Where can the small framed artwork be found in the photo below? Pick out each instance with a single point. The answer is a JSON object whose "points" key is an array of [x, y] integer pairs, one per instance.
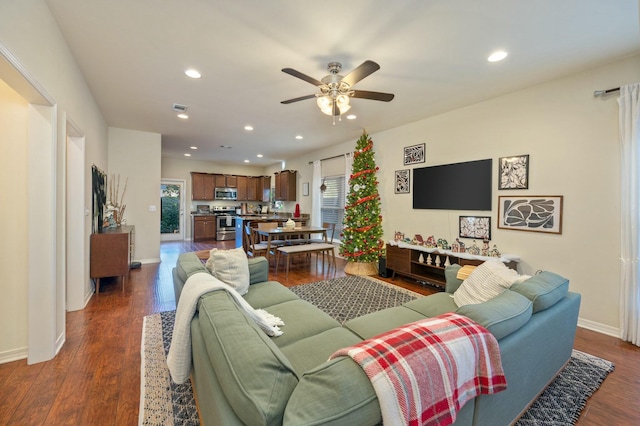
{"points": [[478, 227], [305, 189], [537, 213], [402, 181], [414, 154], [514, 172]]}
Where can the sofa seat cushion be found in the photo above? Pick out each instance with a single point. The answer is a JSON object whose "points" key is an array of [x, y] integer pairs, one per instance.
{"points": [[501, 315], [301, 320], [544, 289], [268, 293], [310, 352], [433, 305], [378, 322], [347, 397], [258, 379]]}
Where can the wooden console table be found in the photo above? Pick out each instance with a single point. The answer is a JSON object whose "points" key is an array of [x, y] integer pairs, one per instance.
{"points": [[404, 260], [112, 253]]}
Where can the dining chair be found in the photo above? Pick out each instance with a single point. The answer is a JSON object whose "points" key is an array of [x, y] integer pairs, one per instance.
{"points": [[254, 250]]}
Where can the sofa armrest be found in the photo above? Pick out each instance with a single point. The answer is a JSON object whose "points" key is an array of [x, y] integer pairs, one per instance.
{"points": [[258, 270]]}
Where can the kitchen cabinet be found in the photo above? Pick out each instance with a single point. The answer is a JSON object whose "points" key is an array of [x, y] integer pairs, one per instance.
{"points": [[204, 228], [242, 182], [226, 181], [264, 188], [202, 185], [286, 185], [111, 254], [252, 189]]}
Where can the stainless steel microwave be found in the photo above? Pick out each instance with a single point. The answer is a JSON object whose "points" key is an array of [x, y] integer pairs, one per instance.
{"points": [[226, 194]]}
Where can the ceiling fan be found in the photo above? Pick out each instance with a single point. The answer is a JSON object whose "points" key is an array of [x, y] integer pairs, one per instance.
{"points": [[336, 90]]}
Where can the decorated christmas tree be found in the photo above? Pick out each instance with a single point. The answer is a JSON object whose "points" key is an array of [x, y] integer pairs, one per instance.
{"points": [[361, 236]]}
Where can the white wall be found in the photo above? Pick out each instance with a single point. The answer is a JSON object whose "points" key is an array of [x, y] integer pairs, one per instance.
{"points": [[31, 36], [14, 249], [135, 156], [572, 140]]}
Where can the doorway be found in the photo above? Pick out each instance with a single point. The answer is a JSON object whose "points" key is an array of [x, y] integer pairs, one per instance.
{"points": [[171, 210]]}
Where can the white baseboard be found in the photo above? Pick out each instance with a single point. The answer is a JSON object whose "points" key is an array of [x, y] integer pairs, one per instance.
{"points": [[600, 328], [146, 261], [13, 355]]}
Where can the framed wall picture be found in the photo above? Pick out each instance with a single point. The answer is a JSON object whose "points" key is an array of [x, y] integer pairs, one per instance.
{"points": [[534, 213], [478, 227], [403, 181], [414, 154], [514, 172], [305, 189]]}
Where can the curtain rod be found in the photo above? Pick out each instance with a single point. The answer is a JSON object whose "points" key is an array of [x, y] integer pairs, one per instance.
{"points": [[605, 92], [329, 158]]}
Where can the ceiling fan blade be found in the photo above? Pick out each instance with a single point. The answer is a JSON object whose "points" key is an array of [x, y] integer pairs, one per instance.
{"points": [[365, 69], [301, 76], [301, 98], [376, 96]]}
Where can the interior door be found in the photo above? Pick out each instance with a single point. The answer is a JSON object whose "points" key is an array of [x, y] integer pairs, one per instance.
{"points": [[171, 210]]}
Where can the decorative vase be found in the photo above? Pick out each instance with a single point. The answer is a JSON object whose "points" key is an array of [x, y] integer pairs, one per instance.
{"points": [[361, 268]]}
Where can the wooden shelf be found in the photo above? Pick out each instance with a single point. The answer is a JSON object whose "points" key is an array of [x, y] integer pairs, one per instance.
{"points": [[404, 261]]}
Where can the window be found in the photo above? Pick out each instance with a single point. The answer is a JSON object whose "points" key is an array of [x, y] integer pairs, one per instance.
{"points": [[333, 202]]}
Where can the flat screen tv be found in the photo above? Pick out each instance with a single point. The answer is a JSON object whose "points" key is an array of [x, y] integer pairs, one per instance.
{"points": [[459, 186]]}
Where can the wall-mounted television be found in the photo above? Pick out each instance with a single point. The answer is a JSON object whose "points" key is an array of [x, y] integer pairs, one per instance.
{"points": [[458, 186]]}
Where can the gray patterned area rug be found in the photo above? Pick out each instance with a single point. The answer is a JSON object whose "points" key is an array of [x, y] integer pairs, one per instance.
{"points": [[162, 402]]}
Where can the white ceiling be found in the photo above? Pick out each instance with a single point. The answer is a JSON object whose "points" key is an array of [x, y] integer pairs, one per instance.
{"points": [[432, 54]]}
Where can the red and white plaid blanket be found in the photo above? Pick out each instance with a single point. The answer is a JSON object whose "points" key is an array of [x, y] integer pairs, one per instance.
{"points": [[425, 371]]}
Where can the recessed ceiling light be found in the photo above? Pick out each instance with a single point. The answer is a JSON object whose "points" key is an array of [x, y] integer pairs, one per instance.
{"points": [[248, 127], [186, 154], [259, 155], [193, 147], [351, 117], [193, 73], [496, 56], [183, 116], [299, 137], [247, 161], [225, 146]]}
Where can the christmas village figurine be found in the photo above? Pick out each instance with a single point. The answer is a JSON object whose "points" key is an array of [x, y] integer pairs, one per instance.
{"points": [[461, 244], [399, 236], [443, 244], [431, 242], [474, 249], [417, 240], [455, 247], [494, 252], [485, 247]]}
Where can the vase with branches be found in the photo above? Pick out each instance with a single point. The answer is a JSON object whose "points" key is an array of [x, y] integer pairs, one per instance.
{"points": [[115, 206]]}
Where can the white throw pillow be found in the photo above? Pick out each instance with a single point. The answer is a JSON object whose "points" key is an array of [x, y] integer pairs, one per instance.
{"points": [[486, 282], [231, 267]]}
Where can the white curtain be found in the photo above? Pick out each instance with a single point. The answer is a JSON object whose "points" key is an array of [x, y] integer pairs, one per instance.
{"points": [[316, 194], [629, 105], [348, 165]]}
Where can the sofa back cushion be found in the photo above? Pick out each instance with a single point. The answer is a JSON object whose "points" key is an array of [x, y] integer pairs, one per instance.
{"points": [[257, 378], [501, 315], [544, 289]]}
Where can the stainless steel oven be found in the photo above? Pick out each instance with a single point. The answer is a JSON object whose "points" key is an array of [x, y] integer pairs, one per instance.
{"points": [[225, 227]]}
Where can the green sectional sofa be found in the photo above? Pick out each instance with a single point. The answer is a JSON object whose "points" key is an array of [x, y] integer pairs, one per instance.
{"points": [[242, 376]]}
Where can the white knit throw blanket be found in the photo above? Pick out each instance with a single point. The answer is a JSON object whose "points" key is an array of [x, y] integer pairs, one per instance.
{"points": [[179, 358]]}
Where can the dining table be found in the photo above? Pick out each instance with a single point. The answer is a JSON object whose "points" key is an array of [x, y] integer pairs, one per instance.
{"points": [[281, 233]]}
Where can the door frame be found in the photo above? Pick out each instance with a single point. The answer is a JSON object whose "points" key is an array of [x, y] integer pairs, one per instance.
{"points": [[183, 185]]}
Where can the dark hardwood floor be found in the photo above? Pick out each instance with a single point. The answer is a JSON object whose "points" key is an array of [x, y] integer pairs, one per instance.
{"points": [[95, 379]]}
